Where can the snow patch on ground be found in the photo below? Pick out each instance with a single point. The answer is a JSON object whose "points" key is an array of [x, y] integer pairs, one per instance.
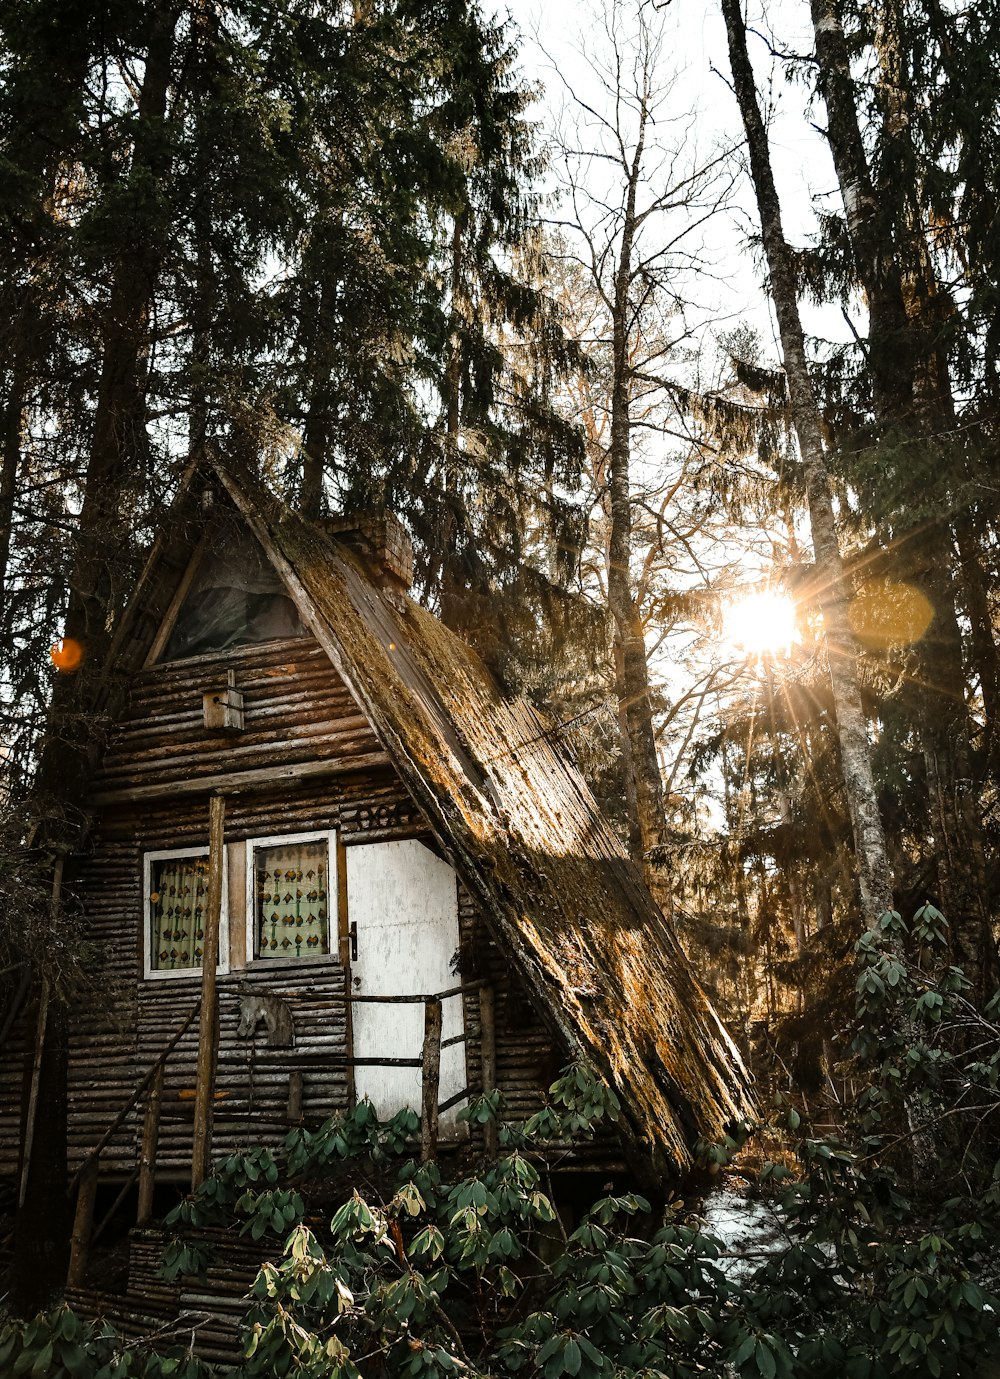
{"points": [[748, 1228]]}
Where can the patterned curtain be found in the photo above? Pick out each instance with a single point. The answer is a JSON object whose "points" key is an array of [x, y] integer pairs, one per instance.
{"points": [[177, 902], [291, 891]]}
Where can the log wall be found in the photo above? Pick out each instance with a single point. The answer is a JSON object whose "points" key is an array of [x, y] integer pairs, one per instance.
{"points": [[153, 793]]}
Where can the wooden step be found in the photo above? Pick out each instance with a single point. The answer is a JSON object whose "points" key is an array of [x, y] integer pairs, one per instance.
{"points": [[212, 1333]]}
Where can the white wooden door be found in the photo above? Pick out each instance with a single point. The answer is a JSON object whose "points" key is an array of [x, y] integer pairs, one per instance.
{"points": [[404, 901]]}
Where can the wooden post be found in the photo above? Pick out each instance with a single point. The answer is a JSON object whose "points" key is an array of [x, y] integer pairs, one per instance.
{"points": [[147, 1154], [208, 1033], [488, 1058], [430, 1080], [83, 1222], [344, 930], [123, 1192], [293, 1111], [41, 1023]]}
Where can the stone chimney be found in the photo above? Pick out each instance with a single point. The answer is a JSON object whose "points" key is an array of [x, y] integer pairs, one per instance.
{"points": [[382, 544]]}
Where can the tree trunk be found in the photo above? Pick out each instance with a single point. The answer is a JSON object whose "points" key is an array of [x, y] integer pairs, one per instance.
{"points": [[855, 751], [954, 810], [13, 425], [319, 429], [41, 135], [75, 723], [913, 402], [891, 359], [119, 438], [451, 586], [636, 708], [985, 657]]}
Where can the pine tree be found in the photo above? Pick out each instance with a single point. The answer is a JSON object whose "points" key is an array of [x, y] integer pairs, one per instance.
{"points": [[204, 144]]}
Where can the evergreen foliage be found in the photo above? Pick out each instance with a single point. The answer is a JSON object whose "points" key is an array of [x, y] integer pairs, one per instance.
{"points": [[303, 232], [873, 1273], [377, 1263]]}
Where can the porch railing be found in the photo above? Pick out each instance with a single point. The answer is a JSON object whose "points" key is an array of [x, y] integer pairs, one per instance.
{"points": [[150, 1087]]}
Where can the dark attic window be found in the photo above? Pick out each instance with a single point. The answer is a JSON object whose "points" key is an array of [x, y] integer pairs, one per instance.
{"points": [[237, 599]]}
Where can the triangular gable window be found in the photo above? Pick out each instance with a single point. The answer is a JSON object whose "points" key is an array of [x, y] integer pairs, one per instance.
{"points": [[237, 599]]}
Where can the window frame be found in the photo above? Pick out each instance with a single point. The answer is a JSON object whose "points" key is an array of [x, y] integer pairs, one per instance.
{"points": [[151, 973], [329, 836]]}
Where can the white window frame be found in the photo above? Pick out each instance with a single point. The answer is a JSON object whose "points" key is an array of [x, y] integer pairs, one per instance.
{"points": [[151, 973], [332, 897]]}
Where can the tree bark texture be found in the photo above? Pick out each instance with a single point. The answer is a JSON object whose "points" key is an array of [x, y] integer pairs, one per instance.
{"points": [[852, 729], [451, 584], [41, 136], [985, 657], [317, 438], [119, 441], [10, 468], [117, 452], [870, 232]]}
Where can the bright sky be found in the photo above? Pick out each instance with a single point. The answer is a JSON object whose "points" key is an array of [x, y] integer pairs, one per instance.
{"points": [[555, 38], [556, 43]]}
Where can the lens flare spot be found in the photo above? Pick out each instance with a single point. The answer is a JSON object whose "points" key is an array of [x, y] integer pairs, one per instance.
{"points": [[884, 614], [67, 655]]}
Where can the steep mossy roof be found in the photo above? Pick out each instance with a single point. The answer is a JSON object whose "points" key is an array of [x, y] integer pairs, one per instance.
{"points": [[525, 834]]}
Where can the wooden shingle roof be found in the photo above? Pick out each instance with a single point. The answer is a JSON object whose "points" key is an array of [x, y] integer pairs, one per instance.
{"points": [[517, 821]]}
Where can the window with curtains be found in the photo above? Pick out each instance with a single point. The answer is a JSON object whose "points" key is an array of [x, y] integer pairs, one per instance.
{"points": [[291, 896], [176, 904]]}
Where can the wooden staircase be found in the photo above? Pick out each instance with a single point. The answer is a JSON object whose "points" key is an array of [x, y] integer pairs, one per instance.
{"points": [[201, 1314]]}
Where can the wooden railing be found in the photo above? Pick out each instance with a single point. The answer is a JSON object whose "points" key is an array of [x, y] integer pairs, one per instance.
{"points": [[429, 1061], [84, 1180]]}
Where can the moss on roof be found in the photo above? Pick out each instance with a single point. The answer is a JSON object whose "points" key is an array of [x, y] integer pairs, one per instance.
{"points": [[527, 837]]}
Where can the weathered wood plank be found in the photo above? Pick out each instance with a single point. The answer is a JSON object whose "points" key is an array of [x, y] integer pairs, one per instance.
{"points": [[147, 1153], [248, 780]]}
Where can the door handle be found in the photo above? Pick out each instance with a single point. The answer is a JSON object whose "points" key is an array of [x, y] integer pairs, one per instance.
{"points": [[352, 934]]}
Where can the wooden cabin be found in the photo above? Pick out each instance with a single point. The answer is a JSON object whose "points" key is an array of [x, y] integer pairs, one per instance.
{"points": [[399, 837]]}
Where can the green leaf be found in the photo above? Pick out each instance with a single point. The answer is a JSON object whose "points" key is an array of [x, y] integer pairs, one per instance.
{"points": [[744, 1350], [765, 1361], [572, 1357], [43, 1363]]}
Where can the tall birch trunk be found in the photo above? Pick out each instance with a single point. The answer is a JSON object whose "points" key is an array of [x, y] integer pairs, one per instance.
{"points": [[874, 876]]}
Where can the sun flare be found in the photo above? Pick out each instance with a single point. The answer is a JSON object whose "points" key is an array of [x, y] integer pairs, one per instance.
{"points": [[761, 624]]}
